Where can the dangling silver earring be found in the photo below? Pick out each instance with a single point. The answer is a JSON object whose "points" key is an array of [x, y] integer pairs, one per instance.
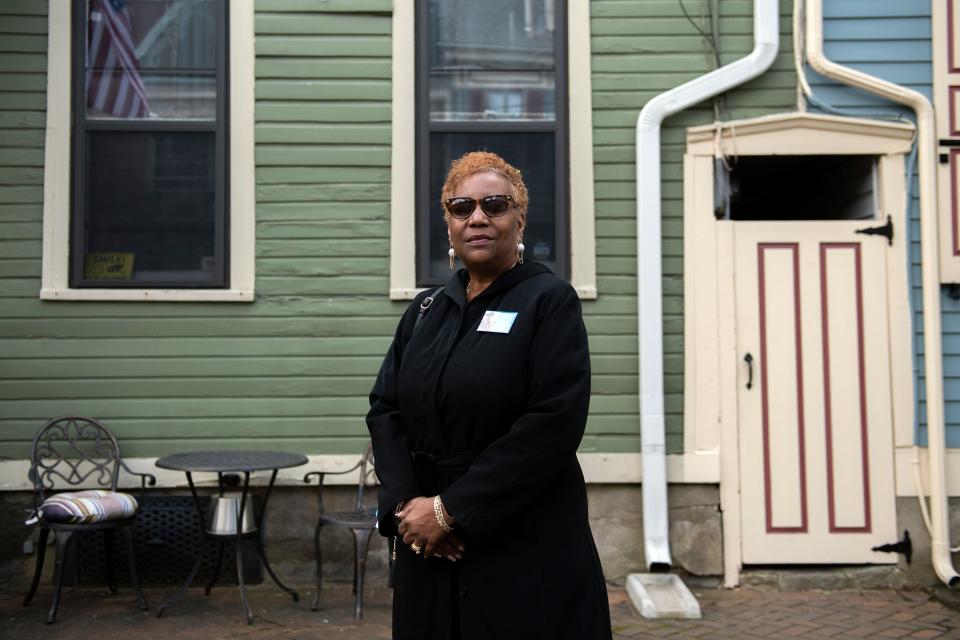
{"points": [[452, 254], [520, 249]]}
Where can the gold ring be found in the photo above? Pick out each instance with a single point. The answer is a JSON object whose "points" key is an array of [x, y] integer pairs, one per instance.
{"points": [[415, 547]]}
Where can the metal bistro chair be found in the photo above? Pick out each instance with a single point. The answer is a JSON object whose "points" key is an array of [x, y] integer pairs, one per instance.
{"points": [[361, 521], [66, 453]]}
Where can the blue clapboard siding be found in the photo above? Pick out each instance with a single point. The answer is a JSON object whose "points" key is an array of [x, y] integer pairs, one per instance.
{"points": [[891, 39]]}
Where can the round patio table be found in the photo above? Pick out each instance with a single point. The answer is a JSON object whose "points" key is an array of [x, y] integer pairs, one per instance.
{"points": [[223, 462]]}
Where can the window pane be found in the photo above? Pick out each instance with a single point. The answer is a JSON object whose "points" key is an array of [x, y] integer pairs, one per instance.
{"points": [[150, 208], [151, 59], [491, 59], [533, 155], [492, 95]]}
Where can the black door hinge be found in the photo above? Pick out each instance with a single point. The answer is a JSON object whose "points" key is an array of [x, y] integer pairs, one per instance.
{"points": [[903, 547], [885, 231]]}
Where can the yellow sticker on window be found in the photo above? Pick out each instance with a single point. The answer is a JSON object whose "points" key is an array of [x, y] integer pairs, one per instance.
{"points": [[108, 266]]}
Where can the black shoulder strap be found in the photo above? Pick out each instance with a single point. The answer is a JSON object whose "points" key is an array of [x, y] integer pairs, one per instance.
{"points": [[425, 306]]}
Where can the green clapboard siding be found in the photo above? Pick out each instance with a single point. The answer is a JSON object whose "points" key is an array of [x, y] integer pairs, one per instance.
{"points": [[640, 49], [292, 370], [23, 43]]}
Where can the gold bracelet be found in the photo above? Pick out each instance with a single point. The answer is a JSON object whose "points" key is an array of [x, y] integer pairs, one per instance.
{"points": [[438, 512]]}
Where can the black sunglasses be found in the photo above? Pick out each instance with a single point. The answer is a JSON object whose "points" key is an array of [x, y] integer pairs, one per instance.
{"points": [[494, 206]]}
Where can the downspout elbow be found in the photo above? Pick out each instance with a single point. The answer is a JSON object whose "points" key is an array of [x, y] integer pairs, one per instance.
{"points": [[707, 86], [942, 565]]}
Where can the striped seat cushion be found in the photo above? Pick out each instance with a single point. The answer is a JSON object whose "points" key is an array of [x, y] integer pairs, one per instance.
{"points": [[94, 505]]}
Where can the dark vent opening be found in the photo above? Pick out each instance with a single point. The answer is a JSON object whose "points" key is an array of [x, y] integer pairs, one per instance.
{"points": [[166, 540], [796, 188]]}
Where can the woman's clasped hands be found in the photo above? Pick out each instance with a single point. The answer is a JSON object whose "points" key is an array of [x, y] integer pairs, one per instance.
{"points": [[421, 530]]}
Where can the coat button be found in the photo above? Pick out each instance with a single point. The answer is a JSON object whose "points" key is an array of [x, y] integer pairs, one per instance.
{"points": [[463, 591]]}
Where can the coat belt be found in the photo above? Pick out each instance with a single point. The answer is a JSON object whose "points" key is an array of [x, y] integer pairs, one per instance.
{"points": [[437, 471]]}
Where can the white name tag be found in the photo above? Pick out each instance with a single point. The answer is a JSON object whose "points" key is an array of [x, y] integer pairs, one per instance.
{"points": [[497, 321]]}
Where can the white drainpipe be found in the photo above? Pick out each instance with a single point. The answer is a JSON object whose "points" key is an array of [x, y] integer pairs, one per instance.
{"points": [[930, 259], [766, 39]]}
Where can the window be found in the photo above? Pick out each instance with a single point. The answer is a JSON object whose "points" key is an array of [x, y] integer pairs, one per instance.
{"points": [[492, 76], [149, 144], [138, 139]]}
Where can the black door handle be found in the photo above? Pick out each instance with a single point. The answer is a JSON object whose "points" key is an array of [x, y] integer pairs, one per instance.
{"points": [[749, 360]]}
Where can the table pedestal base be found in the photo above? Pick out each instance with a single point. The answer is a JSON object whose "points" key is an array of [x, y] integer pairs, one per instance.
{"points": [[237, 546]]}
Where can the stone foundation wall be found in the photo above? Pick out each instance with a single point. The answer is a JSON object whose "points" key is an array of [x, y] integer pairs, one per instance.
{"points": [[15, 507], [696, 541], [616, 516], [920, 570]]}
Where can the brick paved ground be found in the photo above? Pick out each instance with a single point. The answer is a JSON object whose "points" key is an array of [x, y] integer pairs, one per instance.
{"points": [[734, 614], [748, 615]]}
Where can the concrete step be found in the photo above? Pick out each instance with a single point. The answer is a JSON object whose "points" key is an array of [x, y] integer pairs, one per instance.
{"points": [[826, 578]]}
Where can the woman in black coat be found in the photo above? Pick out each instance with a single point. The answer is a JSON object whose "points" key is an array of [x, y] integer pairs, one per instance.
{"points": [[475, 419]]}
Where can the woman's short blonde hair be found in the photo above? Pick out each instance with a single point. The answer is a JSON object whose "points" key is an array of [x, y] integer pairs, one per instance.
{"points": [[476, 162]]}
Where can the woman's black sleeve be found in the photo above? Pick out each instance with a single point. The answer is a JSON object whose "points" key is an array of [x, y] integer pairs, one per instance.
{"points": [[394, 467]]}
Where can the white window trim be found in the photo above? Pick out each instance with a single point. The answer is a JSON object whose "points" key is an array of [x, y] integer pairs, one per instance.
{"points": [[55, 283], [583, 246], [598, 468], [701, 467]]}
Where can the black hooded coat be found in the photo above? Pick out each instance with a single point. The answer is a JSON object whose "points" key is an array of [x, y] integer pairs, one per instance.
{"points": [[491, 422]]}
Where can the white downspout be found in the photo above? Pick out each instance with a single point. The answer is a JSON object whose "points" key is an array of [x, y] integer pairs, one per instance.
{"points": [[933, 352], [766, 39]]}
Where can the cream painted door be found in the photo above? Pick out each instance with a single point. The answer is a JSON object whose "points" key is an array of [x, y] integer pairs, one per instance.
{"points": [[816, 441]]}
